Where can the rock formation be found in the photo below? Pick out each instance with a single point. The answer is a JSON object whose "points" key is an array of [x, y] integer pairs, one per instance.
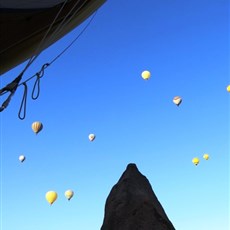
{"points": [[132, 205]]}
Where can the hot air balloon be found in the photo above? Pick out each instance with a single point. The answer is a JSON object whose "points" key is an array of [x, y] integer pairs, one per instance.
{"points": [[92, 137], [69, 194], [37, 126], [22, 158], [35, 25], [206, 156], [146, 75], [195, 161], [228, 88], [177, 100], [51, 197]]}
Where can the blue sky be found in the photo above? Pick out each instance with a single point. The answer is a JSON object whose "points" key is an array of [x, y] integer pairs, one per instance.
{"points": [[96, 87]]}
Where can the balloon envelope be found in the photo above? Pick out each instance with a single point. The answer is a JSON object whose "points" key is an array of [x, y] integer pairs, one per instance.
{"points": [[92, 137], [146, 75], [177, 100], [228, 88], [25, 23], [206, 156], [195, 161], [22, 158], [37, 126], [51, 197], [69, 194]]}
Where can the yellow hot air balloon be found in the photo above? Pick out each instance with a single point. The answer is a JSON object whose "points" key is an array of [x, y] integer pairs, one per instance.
{"points": [[206, 156], [177, 100], [51, 196], [195, 161], [146, 75], [228, 88], [37, 126], [92, 137], [69, 194], [22, 158]]}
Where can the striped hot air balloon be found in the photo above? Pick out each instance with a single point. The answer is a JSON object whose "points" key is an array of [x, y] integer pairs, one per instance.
{"points": [[37, 126]]}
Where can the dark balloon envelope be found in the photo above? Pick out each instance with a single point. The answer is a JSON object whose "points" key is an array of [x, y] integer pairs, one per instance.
{"points": [[24, 23]]}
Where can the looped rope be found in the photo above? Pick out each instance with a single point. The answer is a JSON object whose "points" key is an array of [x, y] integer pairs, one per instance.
{"points": [[39, 75], [23, 103], [10, 88]]}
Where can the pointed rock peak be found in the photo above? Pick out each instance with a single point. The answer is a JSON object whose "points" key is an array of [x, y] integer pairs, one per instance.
{"points": [[132, 205], [130, 171], [132, 166]]}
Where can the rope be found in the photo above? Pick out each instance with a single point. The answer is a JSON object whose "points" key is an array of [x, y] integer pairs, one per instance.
{"points": [[23, 103], [12, 87], [63, 23], [39, 48], [39, 75], [73, 41]]}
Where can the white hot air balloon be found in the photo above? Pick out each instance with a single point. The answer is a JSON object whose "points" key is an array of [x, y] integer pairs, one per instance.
{"points": [[69, 194], [22, 158], [177, 100], [92, 137]]}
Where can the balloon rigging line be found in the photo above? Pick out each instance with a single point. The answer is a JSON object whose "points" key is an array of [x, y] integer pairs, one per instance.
{"points": [[12, 87], [57, 31], [39, 48], [73, 41], [63, 23]]}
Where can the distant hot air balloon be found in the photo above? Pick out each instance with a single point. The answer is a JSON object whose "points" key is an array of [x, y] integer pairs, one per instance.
{"points": [[22, 158], [92, 137], [51, 196], [37, 126], [146, 75], [195, 161], [69, 194], [228, 88], [206, 156], [177, 100]]}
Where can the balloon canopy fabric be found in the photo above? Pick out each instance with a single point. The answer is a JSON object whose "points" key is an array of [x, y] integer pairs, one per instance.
{"points": [[195, 161], [228, 88], [146, 75], [24, 24], [37, 126], [69, 194], [51, 197], [92, 137], [22, 158], [206, 156], [177, 100]]}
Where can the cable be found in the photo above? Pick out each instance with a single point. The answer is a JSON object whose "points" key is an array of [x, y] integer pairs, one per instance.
{"points": [[39, 75], [39, 48], [83, 30], [62, 24]]}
